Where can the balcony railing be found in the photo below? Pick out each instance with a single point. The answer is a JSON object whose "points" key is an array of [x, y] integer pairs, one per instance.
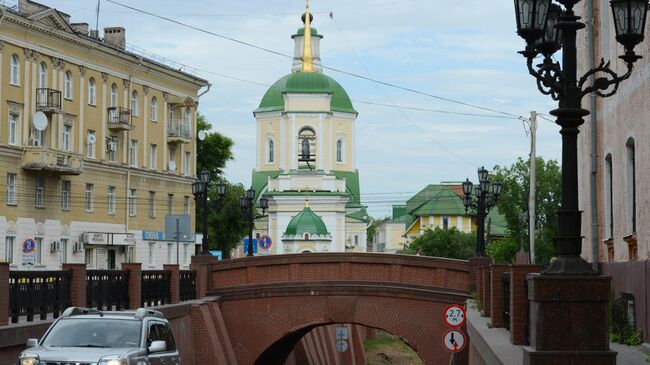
{"points": [[48, 100], [38, 293], [48, 160], [119, 118], [179, 131]]}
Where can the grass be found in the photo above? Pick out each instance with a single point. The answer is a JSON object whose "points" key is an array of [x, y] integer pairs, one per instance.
{"points": [[388, 349]]}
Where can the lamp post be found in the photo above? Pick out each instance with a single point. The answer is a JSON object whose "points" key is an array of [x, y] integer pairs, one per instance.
{"points": [[485, 198], [247, 202], [200, 189], [547, 28]]}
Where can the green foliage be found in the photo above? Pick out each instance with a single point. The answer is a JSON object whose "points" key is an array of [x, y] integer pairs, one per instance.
{"points": [[450, 243], [503, 251], [372, 228], [628, 336], [478, 305], [514, 201], [214, 151]]}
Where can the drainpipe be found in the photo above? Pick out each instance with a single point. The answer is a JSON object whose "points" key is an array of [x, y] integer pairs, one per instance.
{"points": [[594, 148], [205, 92]]}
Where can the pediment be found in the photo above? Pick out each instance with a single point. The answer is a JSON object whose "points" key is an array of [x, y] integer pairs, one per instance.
{"points": [[53, 19]]}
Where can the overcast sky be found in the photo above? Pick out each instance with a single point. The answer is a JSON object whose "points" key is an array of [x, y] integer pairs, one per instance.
{"points": [[460, 50]]}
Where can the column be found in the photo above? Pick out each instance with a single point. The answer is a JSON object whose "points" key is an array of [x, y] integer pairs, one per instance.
{"points": [[77, 284], [135, 283], [82, 99], [125, 135], [497, 295], [519, 301], [26, 88], [166, 122], [203, 266], [174, 282], [102, 133], [4, 293], [2, 116], [146, 118]]}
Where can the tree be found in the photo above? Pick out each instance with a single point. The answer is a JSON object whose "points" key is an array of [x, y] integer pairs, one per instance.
{"points": [[514, 201], [214, 151], [450, 243], [372, 229]]}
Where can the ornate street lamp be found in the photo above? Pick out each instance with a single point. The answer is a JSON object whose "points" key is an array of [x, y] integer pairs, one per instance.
{"points": [[547, 28], [201, 189], [246, 202], [485, 198]]}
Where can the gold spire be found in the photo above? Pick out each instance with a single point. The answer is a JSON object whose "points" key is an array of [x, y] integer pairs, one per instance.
{"points": [[307, 57], [307, 198]]}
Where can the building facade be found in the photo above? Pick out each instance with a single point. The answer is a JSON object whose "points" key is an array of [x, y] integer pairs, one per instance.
{"points": [[389, 234], [306, 158], [96, 145]]}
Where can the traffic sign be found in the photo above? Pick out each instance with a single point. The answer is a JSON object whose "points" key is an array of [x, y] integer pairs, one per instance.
{"points": [[341, 345], [454, 341], [454, 315], [341, 333], [246, 245], [265, 242]]}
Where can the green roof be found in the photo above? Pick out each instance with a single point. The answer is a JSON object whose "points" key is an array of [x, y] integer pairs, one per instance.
{"points": [[360, 215], [301, 32], [445, 202], [306, 222], [351, 186], [498, 225], [261, 179], [306, 83]]}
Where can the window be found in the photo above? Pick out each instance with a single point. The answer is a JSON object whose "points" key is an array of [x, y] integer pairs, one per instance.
{"points": [[271, 151], [185, 251], [169, 252], [40, 192], [90, 144], [39, 249], [11, 189], [339, 150], [307, 147], [89, 197], [13, 128], [172, 158], [113, 95], [9, 248], [188, 115], [14, 70], [111, 200], [133, 153], [67, 132], [153, 111], [88, 258], [152, 246], [42, 75], [153, 157], [631, 186], [65, 195], [132, 202], [39, 140], [92, 92], [609, 198], [170, 203], [186, 163], [67, 86], [152, 204], [445, 222], [111, 146], [64, 250], [356, 240], [134, 103], [186, 204]]}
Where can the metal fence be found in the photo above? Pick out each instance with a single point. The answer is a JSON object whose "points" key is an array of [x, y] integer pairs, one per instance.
{"points": [[187, 283], [506, 300], [107, 289], [155, 288], [38, 292]]}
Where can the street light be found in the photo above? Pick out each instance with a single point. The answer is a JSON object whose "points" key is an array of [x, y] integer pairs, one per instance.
{"points": [[485, 198], [247, 202], [546, 29], [201, 189]]}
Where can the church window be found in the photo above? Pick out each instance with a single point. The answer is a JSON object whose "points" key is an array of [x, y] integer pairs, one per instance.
{"points": [[306, 237], [270, 151], [339, 150], [307, 147]]}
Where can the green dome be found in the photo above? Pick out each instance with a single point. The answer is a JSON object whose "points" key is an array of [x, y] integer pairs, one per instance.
{"points": [[306, 83], [306, 222], [301, 32]]}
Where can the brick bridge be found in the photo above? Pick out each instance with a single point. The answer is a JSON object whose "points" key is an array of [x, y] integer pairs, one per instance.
{"points": [[267, 304]]}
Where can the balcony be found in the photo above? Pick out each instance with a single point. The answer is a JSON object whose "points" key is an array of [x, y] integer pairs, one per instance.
{"points": [[119, 119], [52, 161], [48, 100], [178, 131]]}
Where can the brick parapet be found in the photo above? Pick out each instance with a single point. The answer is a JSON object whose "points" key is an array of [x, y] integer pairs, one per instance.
{"points": [[77, 284], [497, 294], [474, 264], [135, 283], [519, 302], [174, 282], [487, 290], [202, 264], [4, 293]]}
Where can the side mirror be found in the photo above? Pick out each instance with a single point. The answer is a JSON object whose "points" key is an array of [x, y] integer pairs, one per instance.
{"points": [[158, 346], [32, 342]]}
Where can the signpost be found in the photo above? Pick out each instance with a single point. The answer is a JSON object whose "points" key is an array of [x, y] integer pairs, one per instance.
{"points": [[454, 339], [246, 245], [29, 252], [341, 341], [266, 242], [454, 315]]}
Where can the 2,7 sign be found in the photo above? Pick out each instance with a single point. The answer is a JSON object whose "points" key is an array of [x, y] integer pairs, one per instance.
{"points": [[454, 315]]}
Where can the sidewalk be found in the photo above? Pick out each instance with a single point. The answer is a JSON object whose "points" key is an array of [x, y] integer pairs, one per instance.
{"points": [[631, 355]]}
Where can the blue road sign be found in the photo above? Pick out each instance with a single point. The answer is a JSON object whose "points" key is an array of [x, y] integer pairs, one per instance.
{"points": [[246, 245], [217, 253]]}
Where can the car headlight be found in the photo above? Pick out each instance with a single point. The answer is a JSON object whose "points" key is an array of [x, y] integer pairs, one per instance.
{"points": [[112, 360], [29, 359]]}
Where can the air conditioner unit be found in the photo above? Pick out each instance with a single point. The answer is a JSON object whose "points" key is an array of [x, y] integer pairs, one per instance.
{"points": [[78, 247], [55, 246], [86, 238]]}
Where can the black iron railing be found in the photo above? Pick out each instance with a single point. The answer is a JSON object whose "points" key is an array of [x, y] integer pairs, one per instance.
{"points": [[38, 292], [506, 300], [107, 289], [155, 288], [48, 99], [187, 283]]}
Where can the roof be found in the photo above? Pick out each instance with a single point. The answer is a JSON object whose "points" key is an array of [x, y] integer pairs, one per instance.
{"points": [[306, 83], [444, 202], [498, 225], [301, 32], [306, 222], [360, 215]]}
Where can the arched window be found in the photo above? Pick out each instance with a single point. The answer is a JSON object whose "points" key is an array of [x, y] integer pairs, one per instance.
{"points": [[631, 185], [92, 91], [113, 95], [14, 70], [134, 103], [270, 151], [307, 147], [67, 88], [306, 236], [356, 240], [42, 75], [609, 198], [339, 150], [154, 109]]}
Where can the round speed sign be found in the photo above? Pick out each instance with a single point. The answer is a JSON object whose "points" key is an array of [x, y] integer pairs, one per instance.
{"points": [[454, 315]]}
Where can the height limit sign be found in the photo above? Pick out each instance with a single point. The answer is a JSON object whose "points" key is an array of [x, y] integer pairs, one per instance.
{"points": [[454, 339], [454, 315]]}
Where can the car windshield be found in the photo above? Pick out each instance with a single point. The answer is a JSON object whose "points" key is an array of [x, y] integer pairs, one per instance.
{"points": [[101, 332]]}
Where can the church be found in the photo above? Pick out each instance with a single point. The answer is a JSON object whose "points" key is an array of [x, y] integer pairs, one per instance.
{"points": [[306, 159]]}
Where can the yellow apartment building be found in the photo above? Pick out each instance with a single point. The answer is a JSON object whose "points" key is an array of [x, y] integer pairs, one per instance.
{"points": [[96, 145]]}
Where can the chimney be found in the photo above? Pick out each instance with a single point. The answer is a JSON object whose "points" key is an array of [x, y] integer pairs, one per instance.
{"points": [[115, 36], [81, 28]]}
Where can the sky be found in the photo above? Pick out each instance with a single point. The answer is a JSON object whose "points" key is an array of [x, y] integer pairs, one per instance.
{"points": [[460, 50]]}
